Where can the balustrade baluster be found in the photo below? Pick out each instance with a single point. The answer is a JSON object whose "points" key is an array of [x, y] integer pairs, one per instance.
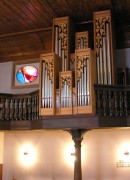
{"points": [[24, 109], [116, 103], [110, 102], [2, 110], [11, 109], [104, 96], [7, 109], [125, 103], [29, 109], [121, 104], [37, 107], [15, 109], [99, 103], [20, 109], [128, 98], [32, 104]]}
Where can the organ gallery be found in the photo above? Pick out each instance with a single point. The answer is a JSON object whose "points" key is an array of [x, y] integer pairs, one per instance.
{"points": [[69, 73]]}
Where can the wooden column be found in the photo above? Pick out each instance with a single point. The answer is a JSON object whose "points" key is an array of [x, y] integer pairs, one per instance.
{"points": [[0, 171], [77, 136]]}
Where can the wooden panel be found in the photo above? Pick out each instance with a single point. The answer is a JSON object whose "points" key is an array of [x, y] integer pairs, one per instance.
{"points": [[24, 46], [38, 14], [1, 165]]}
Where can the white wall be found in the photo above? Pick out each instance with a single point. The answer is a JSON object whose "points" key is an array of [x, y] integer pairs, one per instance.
{"points": [[101, 150], [6, 80]]}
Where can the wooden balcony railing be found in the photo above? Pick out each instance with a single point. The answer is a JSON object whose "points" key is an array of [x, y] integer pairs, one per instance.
{"points": [[19, 107], [111, 101]]}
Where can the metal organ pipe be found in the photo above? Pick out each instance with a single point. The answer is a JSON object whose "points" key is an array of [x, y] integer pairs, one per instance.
{"points": [[63, 60], [104, 61], [43, 85], [56, 39], [60, 46], [88, 93], [83, 85], [108, 53], [98, 70], [46, 88], [65, 95], [101, 66]]}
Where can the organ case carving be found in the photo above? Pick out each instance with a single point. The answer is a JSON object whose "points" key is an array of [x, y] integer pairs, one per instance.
{"points": [[85, 77], [104, 47], [50, 65], [61, 43]]}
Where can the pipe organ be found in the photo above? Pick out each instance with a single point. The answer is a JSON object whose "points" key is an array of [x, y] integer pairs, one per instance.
{"points": [[81, 40], [50, 65], [104, 48], [68, 75], [66, 82], [85, 77], [62, 35]]}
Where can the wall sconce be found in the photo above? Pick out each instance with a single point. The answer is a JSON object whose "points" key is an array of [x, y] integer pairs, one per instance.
{"points": [[27, 155], [125, 162], [73, 154]]}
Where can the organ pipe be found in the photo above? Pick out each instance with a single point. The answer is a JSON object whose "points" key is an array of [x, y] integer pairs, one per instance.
{"points": [[104, 47], [104, 61], [108, 53], [83, 85], [101, 66], [56, 39]]}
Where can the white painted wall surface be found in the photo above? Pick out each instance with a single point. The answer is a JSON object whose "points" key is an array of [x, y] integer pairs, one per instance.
{"points": [[6, 80], [101, 150]]}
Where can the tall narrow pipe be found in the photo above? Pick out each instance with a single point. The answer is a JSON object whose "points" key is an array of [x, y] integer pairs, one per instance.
{"points": [[85, 84], [98, 70], [78, 91], [108, 54], [60, 47], [63, 58], [104, 61], [65, 94], [88, 85], [46, 88], [82, 89], [56, 39], [101, 66], [62, 103], [43, 85], [50, 94]]}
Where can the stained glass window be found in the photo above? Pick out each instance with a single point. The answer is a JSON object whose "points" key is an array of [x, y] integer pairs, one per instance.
{"points": [[26, 74]]}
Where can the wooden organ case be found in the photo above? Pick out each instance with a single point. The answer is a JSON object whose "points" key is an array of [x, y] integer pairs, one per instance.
{"points": [[68, 74], [104, 47], [50, 65]]}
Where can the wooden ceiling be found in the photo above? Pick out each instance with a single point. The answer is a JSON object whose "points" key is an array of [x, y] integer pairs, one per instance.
{"points": [[26, 25]]}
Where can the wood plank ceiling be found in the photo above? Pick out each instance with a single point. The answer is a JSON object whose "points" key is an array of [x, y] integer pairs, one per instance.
{"points": [[26, 25]]}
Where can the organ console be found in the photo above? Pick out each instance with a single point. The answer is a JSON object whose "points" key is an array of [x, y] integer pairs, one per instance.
{"points": [[68, 76]]}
